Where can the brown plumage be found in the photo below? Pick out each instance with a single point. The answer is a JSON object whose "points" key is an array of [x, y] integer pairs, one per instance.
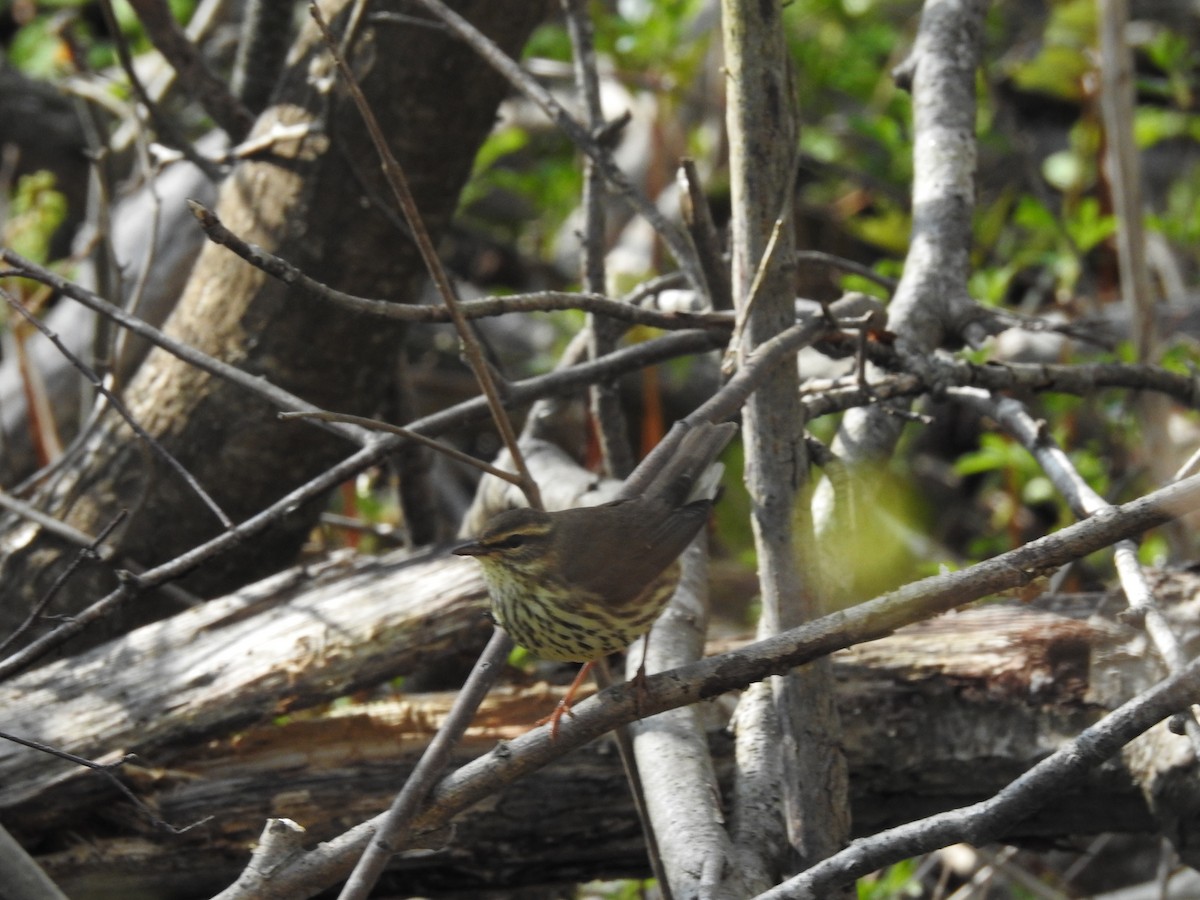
{"points": [[578, 584]]}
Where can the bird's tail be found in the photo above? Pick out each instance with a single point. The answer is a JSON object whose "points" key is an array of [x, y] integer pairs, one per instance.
{"points": [[692, 472]]}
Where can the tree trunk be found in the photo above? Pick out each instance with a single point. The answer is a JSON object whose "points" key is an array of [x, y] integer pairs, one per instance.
{"points": [[319, 202]]}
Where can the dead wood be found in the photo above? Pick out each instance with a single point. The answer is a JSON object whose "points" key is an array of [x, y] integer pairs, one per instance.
{"points": [[214, 703]]}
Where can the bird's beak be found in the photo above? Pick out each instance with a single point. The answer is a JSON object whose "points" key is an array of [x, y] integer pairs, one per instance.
{"points": [[471, 548]]}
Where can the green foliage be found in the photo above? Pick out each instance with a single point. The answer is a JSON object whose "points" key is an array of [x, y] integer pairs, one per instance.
{"points": [[880, 515], [1181, 358], [732, 514], [853, 119], [38, 48], [893, 883], [539, 176], [1178, 61], [520, 658], [36, 211], [1178, 221], [1060, 67], [1154, 550]]}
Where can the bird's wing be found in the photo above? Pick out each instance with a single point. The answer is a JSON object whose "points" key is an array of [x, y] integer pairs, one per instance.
{"points": [[629, 553]]}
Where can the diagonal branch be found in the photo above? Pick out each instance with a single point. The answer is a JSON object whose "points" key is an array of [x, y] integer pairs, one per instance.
{"points": [[674, 237], [305, 875]]}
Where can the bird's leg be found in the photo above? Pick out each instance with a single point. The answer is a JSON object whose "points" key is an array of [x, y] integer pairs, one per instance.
{"points": [[564, 705]]}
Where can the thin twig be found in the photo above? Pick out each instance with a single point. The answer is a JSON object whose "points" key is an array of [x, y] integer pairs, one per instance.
{"points": [[715, 675], [122, 410], [675, 239], [602, 672], [1084, 502], [256, 385], [373, 861], [697, 218], [605, 402], [395, 824], [376, 425], [165, 125], [983, 822], [1124, 172], [49, 523], [92, 551], [194, 74], [107, 770], [625, 309], [669, 346], [725, 404], [398, 182], [846, 265]]}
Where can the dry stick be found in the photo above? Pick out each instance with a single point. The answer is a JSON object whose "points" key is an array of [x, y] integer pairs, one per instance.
{"points": [[375, 425], [164, 124], [395, 826], [765, 264], [181, 54], [611, 426], [697, 218], [792, 799], [672, 748], [105, 769], [1070, 379], [988, 820], [846, 265], [941, 72], [726, 402], [257, 386], [92, 551], [484, 674], [1084, 502], [43, 434], [625, 309], [118, 340], [683, 343], [587, 83], [1124, 172], [122, 410], [867, 621], [23, 877], [50, 524], [712, 676], [1079, 379], [675, 239], [602, 673], [398, 182], [392, 824]]}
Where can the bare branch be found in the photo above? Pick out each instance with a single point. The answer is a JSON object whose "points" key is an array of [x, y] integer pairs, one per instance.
{"points": [[674, 238], [171, 41], [715, 675], [626, 309], [982, 822], [398, 182]]}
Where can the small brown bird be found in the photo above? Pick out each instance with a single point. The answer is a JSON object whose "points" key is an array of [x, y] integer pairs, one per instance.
{"points": [[578, 584]]}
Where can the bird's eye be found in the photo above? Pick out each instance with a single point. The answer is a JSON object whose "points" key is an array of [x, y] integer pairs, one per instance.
{"points": [[512, 541]]}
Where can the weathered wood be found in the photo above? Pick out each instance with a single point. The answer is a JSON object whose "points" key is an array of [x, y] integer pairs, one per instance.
{"points": [[213, 702], [317, 200]]}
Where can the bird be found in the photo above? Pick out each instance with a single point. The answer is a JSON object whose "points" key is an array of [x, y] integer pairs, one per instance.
{"points": [[576, 585]]}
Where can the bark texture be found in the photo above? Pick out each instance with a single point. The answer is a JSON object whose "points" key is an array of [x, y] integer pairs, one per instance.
{"points": [[941, 714], [318, 201]]}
